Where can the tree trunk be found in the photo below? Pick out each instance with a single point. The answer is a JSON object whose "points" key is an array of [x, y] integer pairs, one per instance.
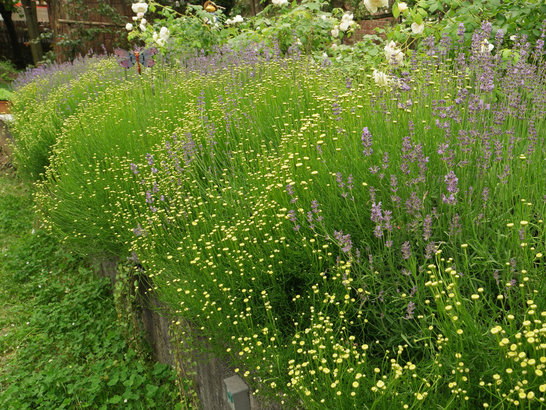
{"points": [[15, 46], [29, 6]]}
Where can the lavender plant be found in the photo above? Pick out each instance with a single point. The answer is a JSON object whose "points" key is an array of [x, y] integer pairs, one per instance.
{"points": [[41, 107]]}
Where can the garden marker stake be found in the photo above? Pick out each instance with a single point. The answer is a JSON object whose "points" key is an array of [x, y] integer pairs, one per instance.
{"points": [[128, 59]]}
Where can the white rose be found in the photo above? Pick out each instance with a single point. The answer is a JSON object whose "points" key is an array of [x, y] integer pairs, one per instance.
{"points": [[128, 27], [373, 5], [344, 25], [139, 8], [335, 32], [135, 18], [417, 28], [381, 78], [402, 7], [347, 17], [485, 47], [140, 15], [238, 19], [164, 33]]}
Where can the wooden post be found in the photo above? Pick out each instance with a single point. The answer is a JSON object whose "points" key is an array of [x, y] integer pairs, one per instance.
{"points": [[29, 7]]}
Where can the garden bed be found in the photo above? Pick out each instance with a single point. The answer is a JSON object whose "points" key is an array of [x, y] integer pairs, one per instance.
{"points": [[348, 238]]}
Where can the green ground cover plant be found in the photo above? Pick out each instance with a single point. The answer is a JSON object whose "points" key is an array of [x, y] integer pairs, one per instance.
{"points": [[61, 340], [360, 242]]}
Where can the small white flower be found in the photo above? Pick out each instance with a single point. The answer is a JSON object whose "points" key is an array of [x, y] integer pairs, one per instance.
{"points": [[381, 78], [373, 5], [417, 28], [229, 22], [135, 18], [140, 15], [334, 46], [402, 7], [323, 17], [238, 19], [485, 47], [344, 25], [393, 54], [513, 37], [139, 8], [335, 32], [143, 24], [128, 27], [279, 3], [160, 42], [177, 4]]}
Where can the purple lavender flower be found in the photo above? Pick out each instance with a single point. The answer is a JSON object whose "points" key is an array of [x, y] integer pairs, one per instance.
{"points": [[134, 168], [138, 230], [430, 250], [339, 180], [427, 227], [376, 215], [451, 181], [455, 225], [150, 159], [406, 250], [290, 191], [344, 241], [367, 142], [149, 198], [409, 310]]}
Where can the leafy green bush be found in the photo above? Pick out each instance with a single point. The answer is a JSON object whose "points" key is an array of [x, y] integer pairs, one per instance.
{"points": [[516, 19]]}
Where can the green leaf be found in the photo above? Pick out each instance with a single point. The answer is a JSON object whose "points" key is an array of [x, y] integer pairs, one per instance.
{"points": [[115, 400], [395, 11]]}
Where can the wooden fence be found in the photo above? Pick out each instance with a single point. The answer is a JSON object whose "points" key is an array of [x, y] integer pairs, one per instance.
{"points": [[80, 26]]}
